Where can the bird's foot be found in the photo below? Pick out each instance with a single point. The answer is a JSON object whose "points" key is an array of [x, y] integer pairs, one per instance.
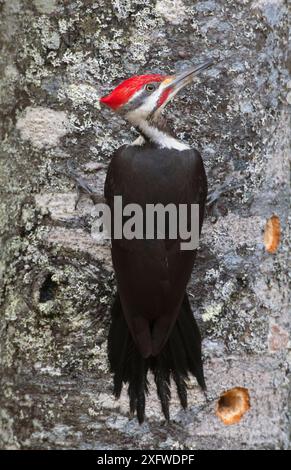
{"points": [[220, 190], [82, 185], [214, 196]]}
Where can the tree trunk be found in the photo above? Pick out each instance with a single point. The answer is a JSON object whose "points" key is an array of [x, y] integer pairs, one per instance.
{"points": [[56, 277]]}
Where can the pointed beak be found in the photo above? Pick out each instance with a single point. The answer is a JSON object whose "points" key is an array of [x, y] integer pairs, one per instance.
{"points": [[174, 83], [183, 79]]}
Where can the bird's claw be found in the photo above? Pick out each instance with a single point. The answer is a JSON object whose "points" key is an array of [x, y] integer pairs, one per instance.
{"points": [[81, 185], [226, 187]]}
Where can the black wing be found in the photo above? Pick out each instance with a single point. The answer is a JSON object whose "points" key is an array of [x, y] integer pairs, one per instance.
{"points": [[152, 274]]}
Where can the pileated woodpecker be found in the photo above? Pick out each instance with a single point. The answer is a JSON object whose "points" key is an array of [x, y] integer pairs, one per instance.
{"points": [[152, 325]]}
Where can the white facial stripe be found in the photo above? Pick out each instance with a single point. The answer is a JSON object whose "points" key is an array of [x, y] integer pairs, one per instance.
{"points": [[148, 106], [135, 95], [145, 109], [138, 117], [162, 139], [150, 103]]}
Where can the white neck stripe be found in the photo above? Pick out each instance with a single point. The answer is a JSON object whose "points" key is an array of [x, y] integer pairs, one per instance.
{"points": [[160, 138]]}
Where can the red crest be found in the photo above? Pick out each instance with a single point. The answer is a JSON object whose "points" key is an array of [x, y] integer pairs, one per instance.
{"points": [[123, 92]]}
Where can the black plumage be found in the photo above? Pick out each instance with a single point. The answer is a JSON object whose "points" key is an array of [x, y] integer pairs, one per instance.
{"points": [[152, 326]]}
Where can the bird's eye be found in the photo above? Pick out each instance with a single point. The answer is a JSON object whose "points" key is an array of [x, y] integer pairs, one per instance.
{"points": [[150, 87]]}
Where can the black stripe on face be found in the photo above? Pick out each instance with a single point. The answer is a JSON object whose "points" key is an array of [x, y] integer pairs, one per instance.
{"points": [[135, 102]]}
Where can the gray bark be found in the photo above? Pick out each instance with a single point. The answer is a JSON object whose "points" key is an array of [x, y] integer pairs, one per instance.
{"points": [[56, 277]]}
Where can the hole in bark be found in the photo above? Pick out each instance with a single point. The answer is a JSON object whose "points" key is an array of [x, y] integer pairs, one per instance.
{"points": [[232, 405], [48, 289], [272, 234]]}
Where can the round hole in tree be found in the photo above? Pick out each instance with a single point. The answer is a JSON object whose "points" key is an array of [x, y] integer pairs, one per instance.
{"points": [[232, 405]]}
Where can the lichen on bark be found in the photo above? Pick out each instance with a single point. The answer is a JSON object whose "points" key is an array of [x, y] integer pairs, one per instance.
{"points": [[56, 280]]}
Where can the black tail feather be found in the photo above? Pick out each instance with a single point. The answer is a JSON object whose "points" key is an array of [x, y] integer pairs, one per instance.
{"points": [[118, 345], [162, 379], [137, 387], [180, 356], [181, 389], [191, 338]]}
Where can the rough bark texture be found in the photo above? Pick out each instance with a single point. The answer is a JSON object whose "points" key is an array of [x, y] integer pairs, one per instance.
{"points": [[56, 278]]}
